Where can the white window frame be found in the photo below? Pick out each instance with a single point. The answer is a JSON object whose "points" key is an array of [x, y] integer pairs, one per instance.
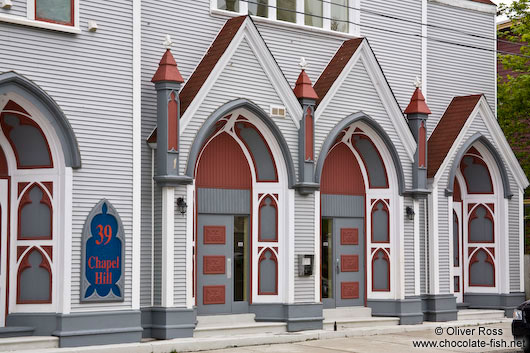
{"points": [[30, 11], [354, 16]]}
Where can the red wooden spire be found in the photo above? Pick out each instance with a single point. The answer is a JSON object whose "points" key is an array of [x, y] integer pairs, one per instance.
{"points": [[167, 69], [304, 88], [417, 104]]}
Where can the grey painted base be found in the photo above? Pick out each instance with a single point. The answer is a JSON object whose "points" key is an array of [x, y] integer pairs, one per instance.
{"points": [[167, 323], [298, 317], [409, 310], [506, 302], [83, 329], [439, 307]]}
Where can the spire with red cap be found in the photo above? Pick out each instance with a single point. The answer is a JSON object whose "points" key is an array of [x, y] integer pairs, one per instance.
{"points": [[304, 88], [417, 103], [167, 68]]}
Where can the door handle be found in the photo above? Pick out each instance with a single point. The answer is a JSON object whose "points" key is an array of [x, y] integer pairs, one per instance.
{"points": [[228, 268], [337, 266]]}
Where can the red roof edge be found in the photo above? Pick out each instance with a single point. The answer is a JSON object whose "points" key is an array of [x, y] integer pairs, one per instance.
{"points": [[304, 88], [335, 67], [208, 62], [447, 130], [167, 70], [417, 104]]}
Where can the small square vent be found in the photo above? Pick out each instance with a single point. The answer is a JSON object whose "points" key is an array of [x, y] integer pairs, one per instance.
{"points": [[278, 111]]}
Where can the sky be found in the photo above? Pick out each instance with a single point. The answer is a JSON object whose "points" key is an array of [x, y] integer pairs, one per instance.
{"points": [[502, 18]]}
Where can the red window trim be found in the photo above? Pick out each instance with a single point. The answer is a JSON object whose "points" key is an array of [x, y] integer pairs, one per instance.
{"points": [[24, 200], [273, 204], [489, 260], [365, 137], [385, 208], [472, 215], [387, 259], [72, 15], [25, 264], [273, 258], [477, 160]]}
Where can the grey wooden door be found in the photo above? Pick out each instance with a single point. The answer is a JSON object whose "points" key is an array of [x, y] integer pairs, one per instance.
{"points": [[342, 262], [214, 264], [348, 234]]}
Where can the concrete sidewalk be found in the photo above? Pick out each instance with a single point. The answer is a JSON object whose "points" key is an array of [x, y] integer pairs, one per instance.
{"points": [[387, 339], [397, 342]]}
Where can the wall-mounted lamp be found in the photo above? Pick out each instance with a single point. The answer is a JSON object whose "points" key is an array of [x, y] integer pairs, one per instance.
{"points": [[410, 213], [182, 206]]}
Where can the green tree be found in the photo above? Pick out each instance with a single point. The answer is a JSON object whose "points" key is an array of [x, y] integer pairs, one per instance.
{"points": [[513, 91]]}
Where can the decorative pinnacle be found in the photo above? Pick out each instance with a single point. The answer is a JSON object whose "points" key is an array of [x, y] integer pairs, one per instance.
{"points": [[303, 63], [417, 82], [168, 42]]}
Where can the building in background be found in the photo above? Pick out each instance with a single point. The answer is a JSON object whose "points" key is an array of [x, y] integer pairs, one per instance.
{"points": [[148, 186]]}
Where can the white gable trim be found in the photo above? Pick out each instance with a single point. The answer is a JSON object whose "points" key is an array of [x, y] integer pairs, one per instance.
{"points": [[249, 32], [498, 137], [383, 90]]}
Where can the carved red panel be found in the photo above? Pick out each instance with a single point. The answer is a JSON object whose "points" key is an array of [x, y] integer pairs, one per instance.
{"points": [[213, 294], [349, 290], [214, 234], [349, 236], [213, 265], [349, 263]]}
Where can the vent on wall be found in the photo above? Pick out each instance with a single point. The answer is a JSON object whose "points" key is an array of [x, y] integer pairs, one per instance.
{"points": [[278, 111]]}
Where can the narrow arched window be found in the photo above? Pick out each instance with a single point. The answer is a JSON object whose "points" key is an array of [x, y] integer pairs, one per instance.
{"points": [[268, 273], [34, 279], [380, 271], [268, 219]]}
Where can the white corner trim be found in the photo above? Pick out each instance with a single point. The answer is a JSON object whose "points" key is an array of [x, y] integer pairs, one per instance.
{"points": [[317, 246], [417, 275], [469, 5], [521, 240], [39, 24], [266, 61], [190, 189], [434, 256], [168, 245], [137, 153], [424, 48], [383, 89]]}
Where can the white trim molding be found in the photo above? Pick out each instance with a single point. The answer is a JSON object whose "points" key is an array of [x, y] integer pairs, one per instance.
{"points": [[469, 5]]}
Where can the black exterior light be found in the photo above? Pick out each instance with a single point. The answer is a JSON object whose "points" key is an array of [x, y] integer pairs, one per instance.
{"points": [[182, 206], [410, 213]]}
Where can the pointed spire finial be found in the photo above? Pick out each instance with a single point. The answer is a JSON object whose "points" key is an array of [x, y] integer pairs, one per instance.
{"points": [[303, 63], [168, 43], [417, 82]]}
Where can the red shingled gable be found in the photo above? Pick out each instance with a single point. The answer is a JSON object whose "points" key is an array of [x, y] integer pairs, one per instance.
{"points": [[447, 130], [208, 62], [488, 2], [335, 67], [304, 88]]}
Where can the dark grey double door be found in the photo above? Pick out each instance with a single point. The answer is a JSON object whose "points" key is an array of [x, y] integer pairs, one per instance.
{"points": [[342, 262], [222, 264]]}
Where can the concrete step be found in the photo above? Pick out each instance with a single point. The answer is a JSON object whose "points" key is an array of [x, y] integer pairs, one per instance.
{"points": [[480, 314], [342, 324], [229, 325], [34, 343], [347, 313]]}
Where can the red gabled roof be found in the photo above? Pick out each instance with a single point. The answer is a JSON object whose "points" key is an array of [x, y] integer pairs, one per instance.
{"points": [[304, 88], [447, 130], [417, 104], [335, 67], [167, 69], [488, 2], [208, 62]]}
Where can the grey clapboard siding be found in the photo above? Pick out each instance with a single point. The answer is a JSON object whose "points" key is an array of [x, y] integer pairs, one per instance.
{"points": [[456, 70], [409, 249], [19, 8], [179, 257], [357, 93], [95, 93], [398, 54], [304, 225]]}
